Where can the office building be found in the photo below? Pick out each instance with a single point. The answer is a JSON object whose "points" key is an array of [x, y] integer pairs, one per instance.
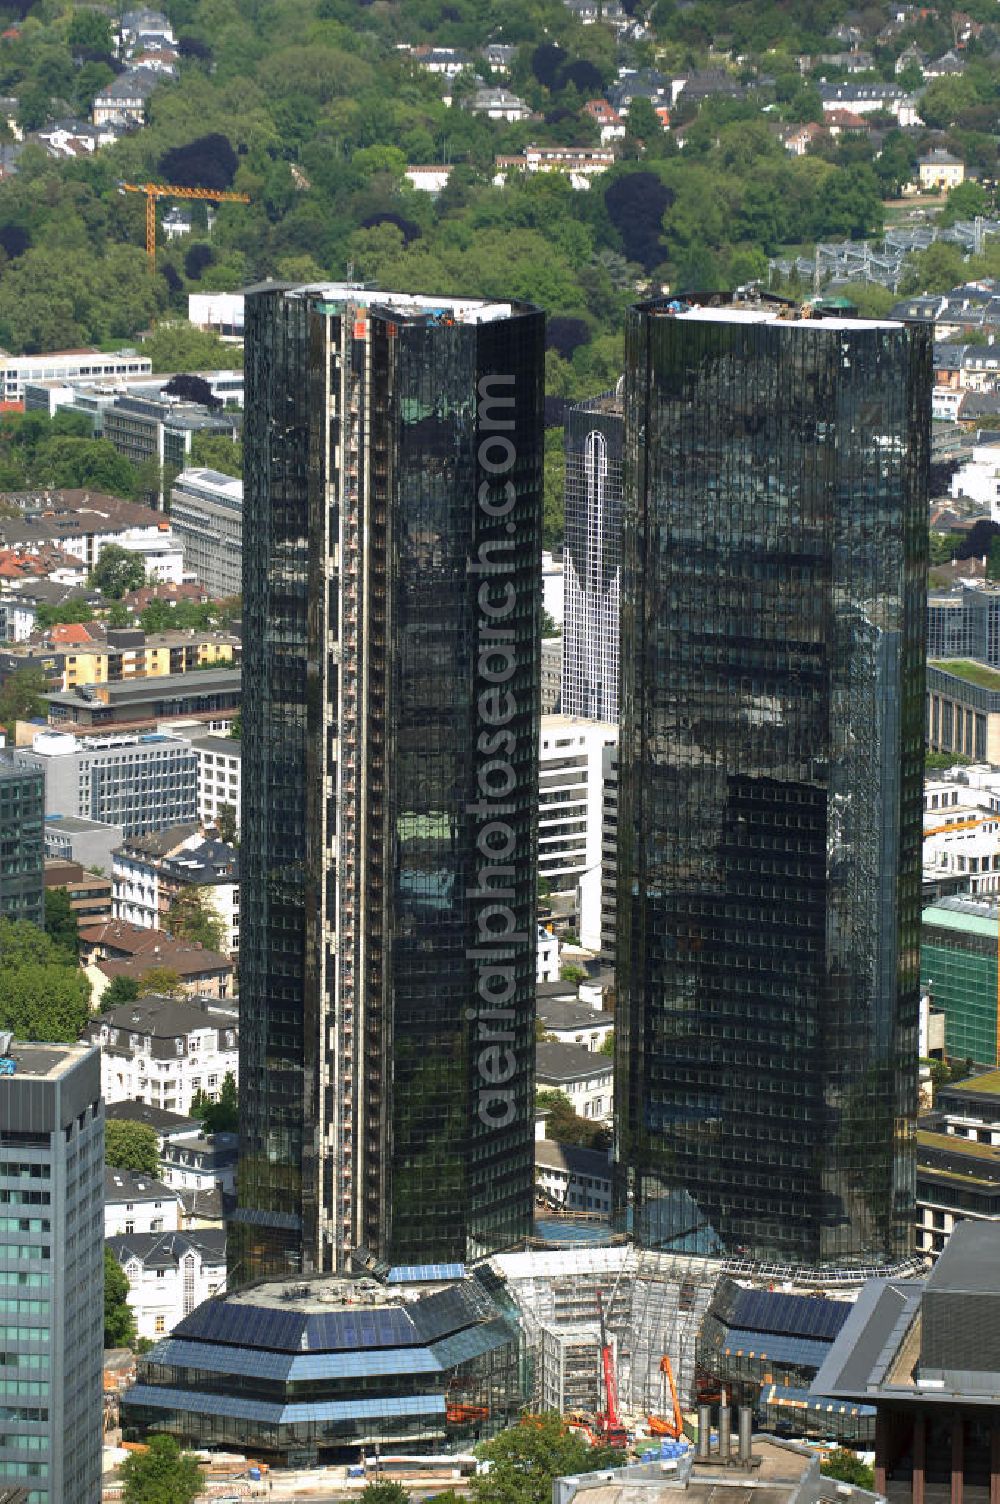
{"points": [[22, 811], [220, 764], [89, 893], [595, 432], [209, 698], [141, 783], [64, 365], [609, 855], [770, 770], [926, 1354], [570, 814], [51, 1263], [965, 622], [391, 610], [70, 838], [206, 514], [963, 709], [421, 1358], [958, 968]]}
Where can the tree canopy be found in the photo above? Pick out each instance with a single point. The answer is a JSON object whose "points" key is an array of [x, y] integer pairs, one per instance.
{"points": [[43, 993], [119, 1322], [163, 1474], [192, 916], [131, 1146], [527, 1458], [61, 923], [117, 570], [222, 1115]]}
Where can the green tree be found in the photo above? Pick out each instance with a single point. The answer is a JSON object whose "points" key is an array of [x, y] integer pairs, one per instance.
{"points": [[191, 916], [608, 1047], [226, 822], [965, 201], [526, 1458], [43, 994], [566, 1126], [119, 990], [68, 611], [236, 729], [160, 981], [21, 695], [61, 924], [180, 347], [117, 570], [119, 1322], [162, 1475], [848, 1468], [553, 484], [217, 451], [131, 1146], [221, 1116], [993, 562], [571, 973], [384, 1493]]}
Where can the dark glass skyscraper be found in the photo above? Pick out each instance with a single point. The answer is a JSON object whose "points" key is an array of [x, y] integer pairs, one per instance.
{"points": [[770, 781], [392, 543]]}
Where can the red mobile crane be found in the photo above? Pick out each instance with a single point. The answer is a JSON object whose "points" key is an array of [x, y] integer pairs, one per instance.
{"points": [[610, 1430]]}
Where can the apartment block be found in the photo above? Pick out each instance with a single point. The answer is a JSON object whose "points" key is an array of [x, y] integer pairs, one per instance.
{"points": [[164, 1053], [570, 813]]}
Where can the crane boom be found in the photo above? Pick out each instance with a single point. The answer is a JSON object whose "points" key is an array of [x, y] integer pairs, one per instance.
{"points": [[611, 1429], [155, 191]]}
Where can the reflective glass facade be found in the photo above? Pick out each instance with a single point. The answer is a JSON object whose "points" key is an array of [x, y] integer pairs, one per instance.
{"points": [[391, 607], [770, 782], [595, 432]]}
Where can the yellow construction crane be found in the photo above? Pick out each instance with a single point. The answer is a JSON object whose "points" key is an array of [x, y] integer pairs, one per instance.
{"points": [[153, 191]]}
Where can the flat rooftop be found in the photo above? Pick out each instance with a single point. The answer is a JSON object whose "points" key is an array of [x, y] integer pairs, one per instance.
{"points": [[736, 310], [328, 1292], [410, 305], [972, 672], [46, 1062]]}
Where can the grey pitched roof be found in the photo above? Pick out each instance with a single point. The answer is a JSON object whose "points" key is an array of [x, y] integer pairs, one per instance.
{"points": [[163, 1017], [569, 1062], [156, 1117], [572, 1157], [164, 1250], [557, 1013], [133, 1185]]}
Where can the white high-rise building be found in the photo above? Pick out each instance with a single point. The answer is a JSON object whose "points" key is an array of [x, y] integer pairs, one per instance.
{"points": [[592, 559], [571, 754]]}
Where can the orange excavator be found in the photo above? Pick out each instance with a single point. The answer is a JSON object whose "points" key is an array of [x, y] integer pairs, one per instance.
{"points": [[658, 1424]]}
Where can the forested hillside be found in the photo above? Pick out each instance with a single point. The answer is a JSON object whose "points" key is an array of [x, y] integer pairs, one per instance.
{"points": [[312, 108]]}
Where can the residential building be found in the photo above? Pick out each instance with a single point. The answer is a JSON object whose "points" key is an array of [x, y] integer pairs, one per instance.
{"points": [[579, 163], [206, 514], [546, 955], [373, 653], [165, 1053], [169, 1274], [594, 444], [220, 760], [939, 169], [418, 1357], [979, 478], [70, 838], [115, 949], [868, 99], [51, 1265], [926, 1354], [573, 1179], [498, 104], [963, 709], [22, 813], [958, 968], [200, 1161], [63, 365], [124, 100], [573, 1022], [141, 783], [571, 753], [83, 523], [152, 873], [770, 771], [585, 1076], [205, 701], [611, 124], [430, 177], [89, 894], [136, 1203]]}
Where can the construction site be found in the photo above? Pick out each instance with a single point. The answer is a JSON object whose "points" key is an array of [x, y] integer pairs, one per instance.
{"points": [[626, 1343]]}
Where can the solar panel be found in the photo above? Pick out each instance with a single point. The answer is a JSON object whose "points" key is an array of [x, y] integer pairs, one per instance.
{"points": [[804, 1352], [798, 1315], [405, 1274]]}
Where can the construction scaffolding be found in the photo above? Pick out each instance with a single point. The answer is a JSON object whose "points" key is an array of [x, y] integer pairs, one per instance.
{"points": [[653, 1304], [859, 261]]}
